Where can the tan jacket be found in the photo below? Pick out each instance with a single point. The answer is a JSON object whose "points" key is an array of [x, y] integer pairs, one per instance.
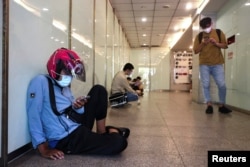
{"points": [[120, 84]]}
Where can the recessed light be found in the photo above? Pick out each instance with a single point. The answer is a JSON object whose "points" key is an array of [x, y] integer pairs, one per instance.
{"points": [[144, 19], [189, 6]]}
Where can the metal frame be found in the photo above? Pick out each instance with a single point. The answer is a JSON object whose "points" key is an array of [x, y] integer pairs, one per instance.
{"points": [[5, 87]]}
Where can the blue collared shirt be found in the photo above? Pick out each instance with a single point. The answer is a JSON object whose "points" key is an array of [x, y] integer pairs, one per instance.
{"points": [[43, 124]]}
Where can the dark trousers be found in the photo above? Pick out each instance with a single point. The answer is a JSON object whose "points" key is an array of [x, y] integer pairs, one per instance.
{"points": [[83, 140]]}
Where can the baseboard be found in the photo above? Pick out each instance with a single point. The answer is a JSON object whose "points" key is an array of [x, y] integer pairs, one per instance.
{"points": [[19, 152]]}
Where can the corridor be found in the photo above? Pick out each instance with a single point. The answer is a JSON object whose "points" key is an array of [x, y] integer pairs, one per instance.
{"points": [[167, 130]]}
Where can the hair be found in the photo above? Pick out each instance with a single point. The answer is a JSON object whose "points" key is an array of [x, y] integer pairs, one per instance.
{"points": [[59, 67], [129, 78], [128, 66], [205, 22]]}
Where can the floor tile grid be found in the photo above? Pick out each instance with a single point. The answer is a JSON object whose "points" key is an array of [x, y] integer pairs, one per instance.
{"points": [[167, 129]]}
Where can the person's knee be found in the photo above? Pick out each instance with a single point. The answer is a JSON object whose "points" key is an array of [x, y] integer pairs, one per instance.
{"points": [[222, 87], [119, 145], [221, 84], [134, 98], [100, 88], [205, 85]]}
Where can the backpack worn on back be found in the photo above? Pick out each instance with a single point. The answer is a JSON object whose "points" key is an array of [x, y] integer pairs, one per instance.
{"points": [[218, 31]]}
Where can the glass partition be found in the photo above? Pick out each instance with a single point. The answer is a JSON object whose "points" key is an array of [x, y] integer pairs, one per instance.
{"points": [[36, 29], [82, 42], [117, 65], [100, 42], [155, 76], [140, 60], [232, 20], [109, 44]]}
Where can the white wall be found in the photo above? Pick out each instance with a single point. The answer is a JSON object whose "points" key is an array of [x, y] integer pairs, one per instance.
{"points": [[155, 76], [33, 38], [30, 45], [233, 19], [109, 52], [100, 42], [82, 42]]}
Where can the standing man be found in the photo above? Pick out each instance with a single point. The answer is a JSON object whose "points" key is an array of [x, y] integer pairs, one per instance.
{"points": [[209, 44], [121, 84]]}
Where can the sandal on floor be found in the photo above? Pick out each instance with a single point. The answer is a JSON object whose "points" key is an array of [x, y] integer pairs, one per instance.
{"points": [[122, 131]]}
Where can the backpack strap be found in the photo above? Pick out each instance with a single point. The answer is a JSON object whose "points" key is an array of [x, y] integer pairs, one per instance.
{"points": [[71, 114], [200, 36], [218, 31], [52, 96]]}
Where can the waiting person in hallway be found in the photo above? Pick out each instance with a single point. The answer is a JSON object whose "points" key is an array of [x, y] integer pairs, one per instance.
{"points": [[209, 44], [121, 84], [64, 126], [129, 79], [138, 86]]}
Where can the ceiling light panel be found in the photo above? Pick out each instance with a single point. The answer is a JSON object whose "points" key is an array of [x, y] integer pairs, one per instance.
{"points": [[143, 1], [122, 7], [143, 6], [162, 19], [122, 14], [166, 6], [168, 13], [128, 24], [148, 13]]}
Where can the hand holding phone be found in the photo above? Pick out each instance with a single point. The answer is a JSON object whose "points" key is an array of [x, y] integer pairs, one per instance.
{"points": [[85, 98], [80, 101], [206, 39]]}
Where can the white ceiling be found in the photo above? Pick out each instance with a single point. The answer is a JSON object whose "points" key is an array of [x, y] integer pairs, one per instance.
{"points": [[163, 16]]}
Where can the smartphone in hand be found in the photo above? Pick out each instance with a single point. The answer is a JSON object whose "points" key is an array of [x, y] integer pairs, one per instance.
{"points": [[85, 98]]}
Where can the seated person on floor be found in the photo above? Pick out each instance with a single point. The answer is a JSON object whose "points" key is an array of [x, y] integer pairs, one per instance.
{"points": [[121, 84], [138, 86], [53, 130], [131, 83]]}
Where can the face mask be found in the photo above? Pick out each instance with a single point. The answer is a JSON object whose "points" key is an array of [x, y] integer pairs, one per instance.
{"points": [[65, 81], [207, 30]]}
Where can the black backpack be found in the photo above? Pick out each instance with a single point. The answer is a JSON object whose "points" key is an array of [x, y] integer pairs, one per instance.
{"points": [[218, 31], [118, 99]]}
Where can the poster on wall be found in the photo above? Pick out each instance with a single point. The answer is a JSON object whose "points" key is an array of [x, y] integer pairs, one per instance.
{"points": [[230, 55], [182, 67]]}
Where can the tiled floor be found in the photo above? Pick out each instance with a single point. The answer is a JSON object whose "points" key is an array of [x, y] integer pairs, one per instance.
{"points": [[167, 130]]}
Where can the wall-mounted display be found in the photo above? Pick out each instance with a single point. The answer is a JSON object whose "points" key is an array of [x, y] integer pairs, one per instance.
{"points": [[183, 67]]}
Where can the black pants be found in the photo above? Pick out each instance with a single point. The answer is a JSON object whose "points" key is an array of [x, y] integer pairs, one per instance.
{"points": [[83, 140]]}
